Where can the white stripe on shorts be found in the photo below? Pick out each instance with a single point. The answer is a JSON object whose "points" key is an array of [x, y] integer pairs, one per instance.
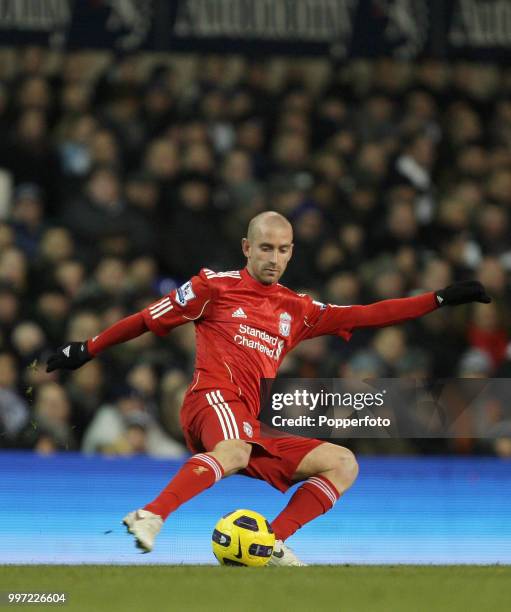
{"points": [[229, 414], [219, 415], [225, 415]]}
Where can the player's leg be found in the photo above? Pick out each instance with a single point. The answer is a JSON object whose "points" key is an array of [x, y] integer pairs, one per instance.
{"points": [[330, 461], [233, 455], [209, 426], [281, 461], [197, 474], [328, 470]]}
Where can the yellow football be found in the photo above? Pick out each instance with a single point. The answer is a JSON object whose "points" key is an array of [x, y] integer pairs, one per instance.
{"points": [[243, 537]]}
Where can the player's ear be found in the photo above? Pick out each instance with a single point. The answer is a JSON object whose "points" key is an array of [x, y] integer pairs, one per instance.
{"points": [[245, 246]]}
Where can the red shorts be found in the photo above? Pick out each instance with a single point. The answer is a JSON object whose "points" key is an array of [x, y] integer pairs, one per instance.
{"points": [[210, 416]]}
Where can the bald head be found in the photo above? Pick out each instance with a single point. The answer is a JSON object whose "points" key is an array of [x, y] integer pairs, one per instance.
{"points": [[266, 221], [268, 246]]}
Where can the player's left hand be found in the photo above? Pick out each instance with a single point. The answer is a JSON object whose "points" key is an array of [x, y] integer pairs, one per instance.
{"points": [[462, 292]]}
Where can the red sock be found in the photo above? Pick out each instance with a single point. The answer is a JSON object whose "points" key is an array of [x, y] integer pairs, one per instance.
{"points": [[315, 497], [196, 475]]}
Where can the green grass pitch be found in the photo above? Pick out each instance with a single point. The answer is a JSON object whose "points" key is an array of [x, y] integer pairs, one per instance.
{"points": [[312, 589]]}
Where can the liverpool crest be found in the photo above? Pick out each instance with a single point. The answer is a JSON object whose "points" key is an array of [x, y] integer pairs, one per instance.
{"points": [[285, 324]]}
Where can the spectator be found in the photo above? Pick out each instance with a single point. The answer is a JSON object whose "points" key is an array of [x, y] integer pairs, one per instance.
{"points": [[13, 408], [50, 429], [125, 427], [28, 218], [415, 165], [101, 221]]}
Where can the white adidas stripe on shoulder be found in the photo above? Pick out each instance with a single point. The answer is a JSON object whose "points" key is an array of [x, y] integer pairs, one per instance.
{"points": [[162, 312], [160, 308], [228, 274], [160, 304]]}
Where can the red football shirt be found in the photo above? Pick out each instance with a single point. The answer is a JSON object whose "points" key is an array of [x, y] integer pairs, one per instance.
{"points": [[244, 328]]}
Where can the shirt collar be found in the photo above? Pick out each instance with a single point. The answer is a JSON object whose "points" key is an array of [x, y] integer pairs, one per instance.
{"points": [[256, 285]]}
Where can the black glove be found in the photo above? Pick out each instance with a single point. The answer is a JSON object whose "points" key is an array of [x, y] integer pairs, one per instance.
{"points": [[462, 293], [68, 357]]}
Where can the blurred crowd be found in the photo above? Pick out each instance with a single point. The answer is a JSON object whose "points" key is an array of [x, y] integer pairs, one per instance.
{"points": [[120, 177]]}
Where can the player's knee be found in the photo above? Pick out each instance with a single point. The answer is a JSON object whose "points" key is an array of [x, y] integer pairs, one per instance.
{"points": [[344, 464], [348, 465], [234, 455], [240, 456]]}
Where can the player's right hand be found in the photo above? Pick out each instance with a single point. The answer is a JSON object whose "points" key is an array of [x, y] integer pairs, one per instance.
{"points": [[70, 356]]}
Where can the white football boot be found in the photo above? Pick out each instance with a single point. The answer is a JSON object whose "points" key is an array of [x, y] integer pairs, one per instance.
{"points": [[145, 526], [283, 556]]}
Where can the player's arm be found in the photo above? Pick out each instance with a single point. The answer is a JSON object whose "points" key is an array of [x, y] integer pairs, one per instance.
{"points": [[343, 320], [180, 306]]}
